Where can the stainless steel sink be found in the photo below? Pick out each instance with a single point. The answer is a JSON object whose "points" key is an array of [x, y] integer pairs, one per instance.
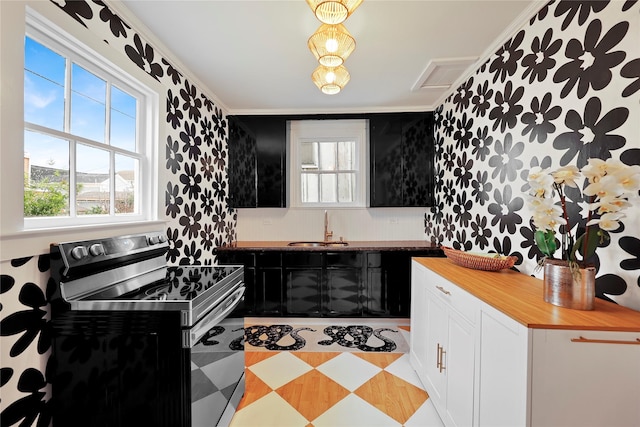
{"points": [[316, 244], [304, 244]]}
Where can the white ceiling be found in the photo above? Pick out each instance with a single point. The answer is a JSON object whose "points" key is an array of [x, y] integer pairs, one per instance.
{"points": [[252, 56]]}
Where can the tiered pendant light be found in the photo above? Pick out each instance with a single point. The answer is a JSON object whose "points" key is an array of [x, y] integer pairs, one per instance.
{"points": [[330, 80], [333, 11], [331, 44]]}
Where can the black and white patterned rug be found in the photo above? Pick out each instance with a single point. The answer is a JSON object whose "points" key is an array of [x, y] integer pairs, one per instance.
{"points": [[353, 335]]}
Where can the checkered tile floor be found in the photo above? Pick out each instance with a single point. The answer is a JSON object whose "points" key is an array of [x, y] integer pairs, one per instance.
{"points": [[333, 389]]}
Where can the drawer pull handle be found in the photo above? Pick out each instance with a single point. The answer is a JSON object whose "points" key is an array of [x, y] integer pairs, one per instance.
{"points": [[443, 290], [440, 359], [582, 339]]}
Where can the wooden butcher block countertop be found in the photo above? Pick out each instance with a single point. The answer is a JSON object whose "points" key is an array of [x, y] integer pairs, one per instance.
{"points": [[520, 297], [370, 245]]}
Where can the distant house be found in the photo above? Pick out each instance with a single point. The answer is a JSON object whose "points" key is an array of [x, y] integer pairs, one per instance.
{"points": [[92, 188]]}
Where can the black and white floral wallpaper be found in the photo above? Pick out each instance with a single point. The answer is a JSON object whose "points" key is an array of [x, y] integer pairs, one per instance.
{"points": [[564, 88], [196, 206]]}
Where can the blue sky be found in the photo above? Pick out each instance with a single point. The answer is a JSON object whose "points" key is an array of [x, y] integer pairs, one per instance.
{"points": [[44, 105]]}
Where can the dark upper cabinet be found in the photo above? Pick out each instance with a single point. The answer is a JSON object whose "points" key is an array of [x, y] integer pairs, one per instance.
{"points": [[243, 192], [401, 159], [257, 161]]}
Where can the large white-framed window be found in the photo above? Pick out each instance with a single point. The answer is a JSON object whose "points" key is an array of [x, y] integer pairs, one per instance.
{"points": [[88, 156], [328, 163]]}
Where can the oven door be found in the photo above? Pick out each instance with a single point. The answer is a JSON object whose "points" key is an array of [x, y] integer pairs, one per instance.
{"points": [[216, 346]]}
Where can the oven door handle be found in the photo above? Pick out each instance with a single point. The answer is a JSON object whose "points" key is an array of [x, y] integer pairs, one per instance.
{"points": [[193, 335]]}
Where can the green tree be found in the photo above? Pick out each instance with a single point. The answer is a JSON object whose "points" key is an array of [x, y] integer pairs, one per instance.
{"points": [[45, 198]]}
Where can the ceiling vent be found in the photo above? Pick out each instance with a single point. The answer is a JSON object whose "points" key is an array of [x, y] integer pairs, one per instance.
{"points": [[443, 72]]}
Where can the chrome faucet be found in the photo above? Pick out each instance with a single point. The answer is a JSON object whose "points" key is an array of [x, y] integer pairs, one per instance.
{"points": [[328, 235]]}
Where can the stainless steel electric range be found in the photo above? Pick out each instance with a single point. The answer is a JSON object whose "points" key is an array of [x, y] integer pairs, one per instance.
{"points": [[140, 343]]}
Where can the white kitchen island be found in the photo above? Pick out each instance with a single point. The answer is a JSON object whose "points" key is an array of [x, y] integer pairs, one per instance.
{"points": [[491, 352]]}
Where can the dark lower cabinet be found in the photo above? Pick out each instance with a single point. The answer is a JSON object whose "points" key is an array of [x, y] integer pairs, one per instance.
{"points": [[303, 283], [116, 370], [321, 284], [326, 284], [268, 284], [343, 285]]}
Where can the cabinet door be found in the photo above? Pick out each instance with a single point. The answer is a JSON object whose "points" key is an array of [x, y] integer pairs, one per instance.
{"points": [[257, 161], [436, 351], [418, 154], [342, 287], [503, 372], [458, 365], [303, 295], [242, 165], [342, 293], [584, 378], [303, 280], [385, 135], [419, 321], [401, 159], [271, 139], [376, 297], [268, 284]]}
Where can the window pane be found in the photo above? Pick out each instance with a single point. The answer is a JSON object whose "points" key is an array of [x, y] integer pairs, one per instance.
{"points": [[43, 86], [328, 188], [92, 181], [346, 187], [123, 120], [309, 155], [46, 171], [88, 104], [127, 173], [346, 157], [328, 156], [309, 187]]}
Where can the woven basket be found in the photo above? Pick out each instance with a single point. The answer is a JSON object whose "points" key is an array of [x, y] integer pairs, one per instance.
{"points": [[488, 262]]}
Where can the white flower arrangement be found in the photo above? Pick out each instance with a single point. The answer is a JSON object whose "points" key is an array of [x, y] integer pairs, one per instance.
{"points": [[611, 187]]}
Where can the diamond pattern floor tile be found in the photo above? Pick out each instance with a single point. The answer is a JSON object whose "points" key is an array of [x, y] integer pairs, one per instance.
{"points": [[400, 404], [270, 411], [348, 370], [312, 394], [280, 369], [352, 411]]}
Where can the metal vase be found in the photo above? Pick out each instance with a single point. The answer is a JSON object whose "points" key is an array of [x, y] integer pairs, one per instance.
{"points": [[563, 289]]}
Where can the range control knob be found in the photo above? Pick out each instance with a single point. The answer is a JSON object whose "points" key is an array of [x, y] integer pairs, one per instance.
{"points": [[162, 238], [153, 240], [96, 249], [79, 252]]}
